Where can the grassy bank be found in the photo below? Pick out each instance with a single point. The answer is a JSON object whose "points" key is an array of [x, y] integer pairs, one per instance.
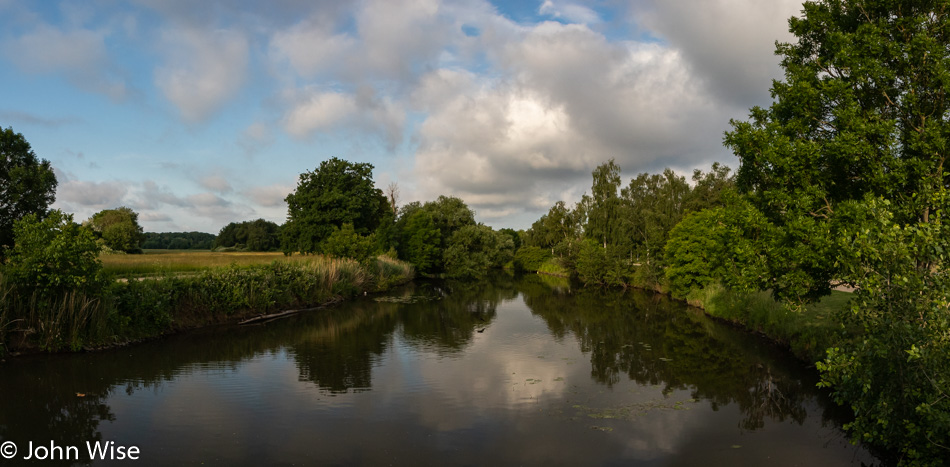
{"points": [[137, 309], [807, 332]]}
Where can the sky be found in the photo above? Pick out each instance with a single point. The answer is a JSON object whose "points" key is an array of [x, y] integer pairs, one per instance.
{"points": [[198, 114]]}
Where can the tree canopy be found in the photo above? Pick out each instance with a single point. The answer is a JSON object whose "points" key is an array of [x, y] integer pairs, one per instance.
{"points": [[338, 192], [256, 235], [118, 229], [848, 165], [27, 184]]}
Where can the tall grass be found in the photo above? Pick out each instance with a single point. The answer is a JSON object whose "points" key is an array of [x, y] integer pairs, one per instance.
{"points": [[553, 267], [808, 332], [151, 306], [50, 322]]}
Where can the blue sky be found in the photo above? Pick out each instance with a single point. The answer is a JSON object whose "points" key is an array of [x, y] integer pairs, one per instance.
{"points": [[197, 114]]}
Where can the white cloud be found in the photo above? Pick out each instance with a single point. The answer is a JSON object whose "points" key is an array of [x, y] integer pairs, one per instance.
{"points": [[312, 48], [729, 43], [83, 196], [205, 69], [569, 101], [313, 111]]}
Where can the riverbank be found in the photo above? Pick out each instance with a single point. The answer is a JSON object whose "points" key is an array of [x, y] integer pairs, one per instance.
{"points": [[130, 311], [807, 332]]}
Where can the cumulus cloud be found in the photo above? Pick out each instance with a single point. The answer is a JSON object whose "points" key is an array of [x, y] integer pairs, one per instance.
{"points": [[729, 43], [571, 100], [79, 54], [204, 69], [314, 111], [312, 48], [81, 195]]}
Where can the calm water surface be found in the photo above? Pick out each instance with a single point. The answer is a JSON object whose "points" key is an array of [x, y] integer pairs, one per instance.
{"points": [[505, 372]]}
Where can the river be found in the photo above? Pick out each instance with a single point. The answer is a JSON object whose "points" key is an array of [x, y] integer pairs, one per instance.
{"points": [[511, 371]]}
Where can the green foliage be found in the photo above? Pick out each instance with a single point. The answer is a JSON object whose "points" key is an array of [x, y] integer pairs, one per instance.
{"points": [[420, 241], [530, 258], [119, 229], [515, 236], [54, 256], [652, 205], [29, 184], [711, 189], [474, 249], [861, 112], [603, 217], [344, 242], [559, 225], [725, 244], [601, 266], [553, 267], [178, 241], [896, 374], [257, 235], [336, 193], [449, 214]]}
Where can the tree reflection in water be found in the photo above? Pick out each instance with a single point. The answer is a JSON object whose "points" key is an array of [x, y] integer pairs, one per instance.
{"points": [[636, 336]]}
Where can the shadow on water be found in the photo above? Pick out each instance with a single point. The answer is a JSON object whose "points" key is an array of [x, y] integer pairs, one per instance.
{"points": [[628, 337]]}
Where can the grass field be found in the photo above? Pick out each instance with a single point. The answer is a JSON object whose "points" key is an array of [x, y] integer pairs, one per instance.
{"points": [[157, 262]]}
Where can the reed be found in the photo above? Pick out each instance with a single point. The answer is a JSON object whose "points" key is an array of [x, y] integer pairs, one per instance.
{"points": [[151, 306]]}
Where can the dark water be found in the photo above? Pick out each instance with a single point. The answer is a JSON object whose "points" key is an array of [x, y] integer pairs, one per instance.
{"points": [[506, 372]]}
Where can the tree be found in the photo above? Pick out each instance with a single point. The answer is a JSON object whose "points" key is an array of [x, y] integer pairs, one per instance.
{"points": [[474, 249], [54, 255], [27, 184], [862, 110], [652, 205], [119, 229], [257, 235], [181, 240], [848, 163], [420, 241], [726, 244], [336, 193], [604, 216]]}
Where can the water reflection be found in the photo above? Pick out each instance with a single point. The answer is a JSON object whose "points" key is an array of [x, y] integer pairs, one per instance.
{"points": [[515, 370]]}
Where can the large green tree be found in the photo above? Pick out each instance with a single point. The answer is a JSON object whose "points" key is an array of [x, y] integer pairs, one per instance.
{"points": [[119, 229], [27, 184], [863, 109], [848, 164], [336, 193]]}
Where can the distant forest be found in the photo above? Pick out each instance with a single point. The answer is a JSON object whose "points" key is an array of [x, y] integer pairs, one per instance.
{"points": [[178, 241]]}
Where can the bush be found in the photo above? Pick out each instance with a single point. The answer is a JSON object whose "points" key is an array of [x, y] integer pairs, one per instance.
{"points": [[530, 258], [54, 256], [346, 243]]}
